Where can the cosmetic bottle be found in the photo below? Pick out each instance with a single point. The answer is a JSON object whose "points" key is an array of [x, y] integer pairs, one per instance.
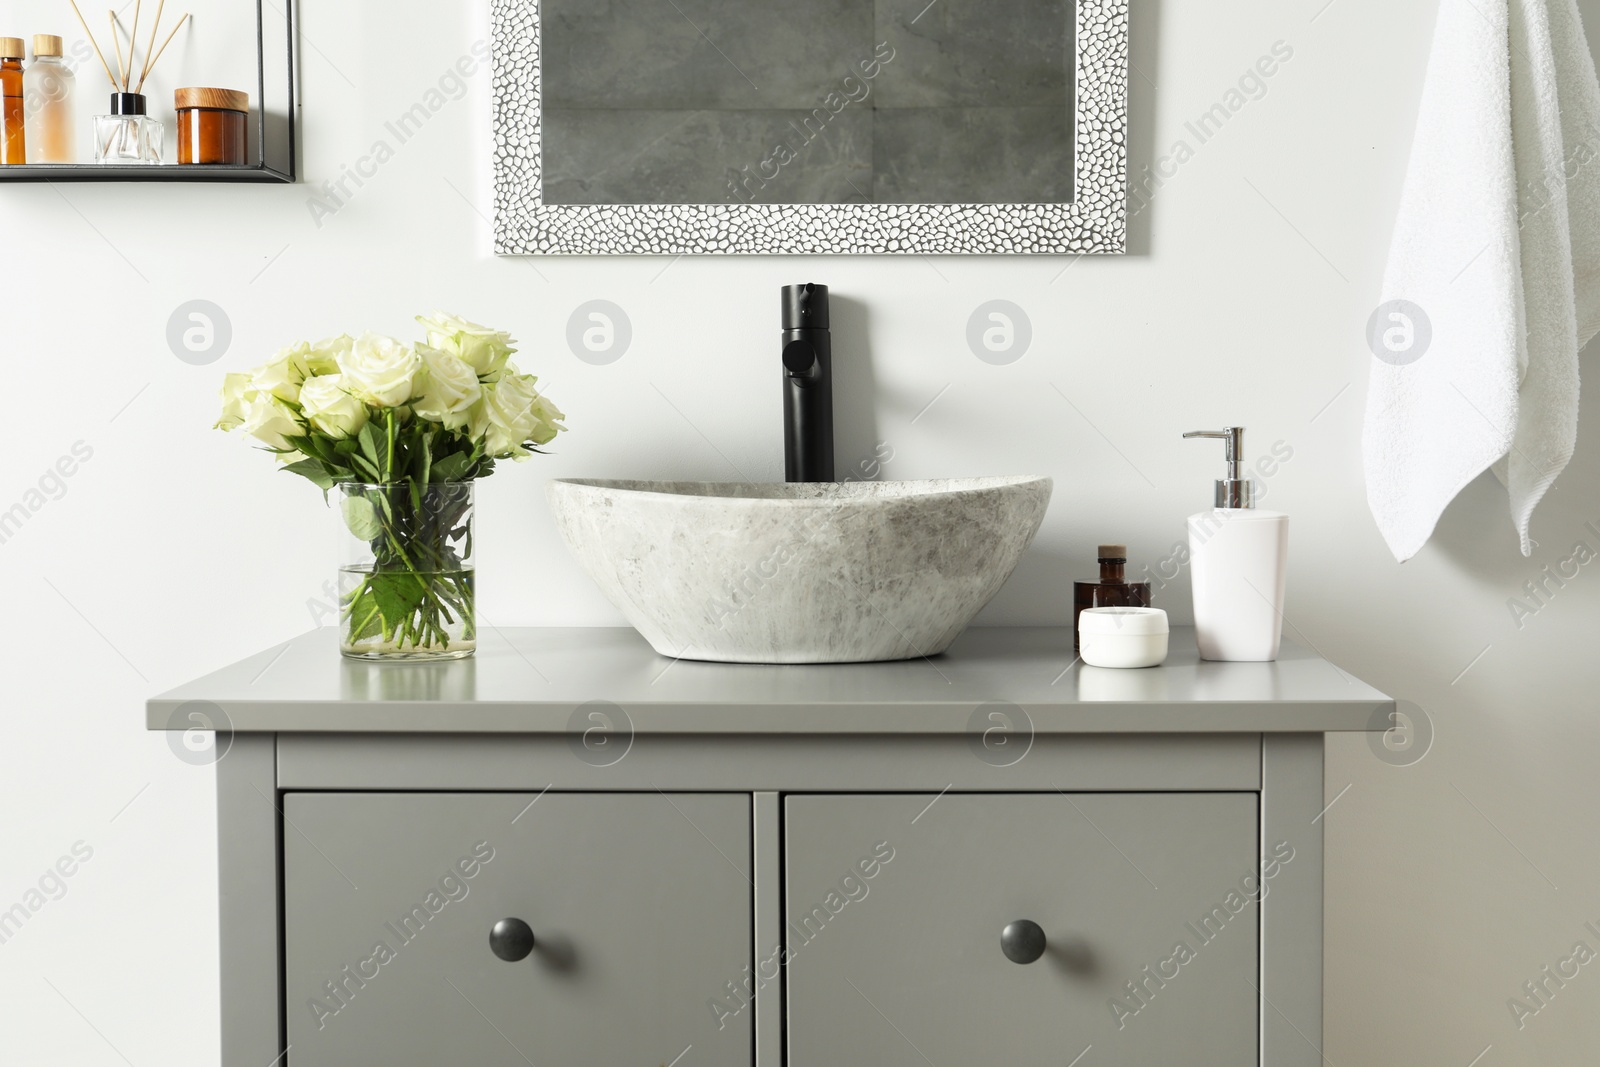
{"points": [[47, 89], [1111, 591], [1238, 562], [13, 147], [127, 135]]}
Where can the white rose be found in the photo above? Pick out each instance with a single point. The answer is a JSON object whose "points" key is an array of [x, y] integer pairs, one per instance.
{"points": [[326, 406], [501, 419], [449, 389], [482, 349], [379, 370], [323, 357], [268, 420], [283, 374], [549, 417], [236, 394], [510, 414]]}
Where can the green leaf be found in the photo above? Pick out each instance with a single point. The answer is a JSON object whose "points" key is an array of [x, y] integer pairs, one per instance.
{"points": [[362, 618], [314, 445], [361, 518], [312, 470], [369, 447], [399, 595], [451, 468], [366, 469]]}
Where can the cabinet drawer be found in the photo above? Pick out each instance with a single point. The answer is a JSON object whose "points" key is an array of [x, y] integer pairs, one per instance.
{"points": [[1148, 905], [640, 907]]}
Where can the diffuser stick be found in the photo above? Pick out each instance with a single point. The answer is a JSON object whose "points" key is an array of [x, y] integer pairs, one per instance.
{"points": [[152, 65], [133, 44], [150, 48], [93, 42], [116, 41]]}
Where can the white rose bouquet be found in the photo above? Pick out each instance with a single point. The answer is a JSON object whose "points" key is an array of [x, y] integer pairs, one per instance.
{"points": [[402, 430]]}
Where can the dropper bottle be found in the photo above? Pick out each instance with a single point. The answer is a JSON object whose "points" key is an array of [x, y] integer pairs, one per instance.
{"points": [[1111, 591]]}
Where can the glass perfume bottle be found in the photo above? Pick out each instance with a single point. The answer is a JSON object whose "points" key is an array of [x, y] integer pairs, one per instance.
{"points": [[127, 135], [13, 148], [47, 91], [1111, 591]]}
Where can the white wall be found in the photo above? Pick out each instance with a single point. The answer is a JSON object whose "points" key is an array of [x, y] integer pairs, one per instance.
{"points": [[176, 550]]}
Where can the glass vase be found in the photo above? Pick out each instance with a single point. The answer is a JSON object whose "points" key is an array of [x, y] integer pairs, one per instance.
{"points": [[406, 577]]}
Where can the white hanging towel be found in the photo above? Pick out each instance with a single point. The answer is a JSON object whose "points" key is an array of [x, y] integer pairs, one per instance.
{"points": [[1496, 260]]}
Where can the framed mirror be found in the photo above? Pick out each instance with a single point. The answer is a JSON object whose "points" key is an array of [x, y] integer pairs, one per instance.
{"points": [[809, 126]]}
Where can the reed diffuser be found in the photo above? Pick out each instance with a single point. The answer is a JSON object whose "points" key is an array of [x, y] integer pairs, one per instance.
{"points": [[128, 134]]}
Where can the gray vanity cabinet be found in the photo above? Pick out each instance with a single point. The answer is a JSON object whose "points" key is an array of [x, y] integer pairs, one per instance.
{"points": [[911, 968], [992, 857], [639, 905]]}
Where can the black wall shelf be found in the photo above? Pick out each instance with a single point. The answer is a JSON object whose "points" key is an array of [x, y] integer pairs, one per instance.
{"points": [[165, 172], [272, 122]]}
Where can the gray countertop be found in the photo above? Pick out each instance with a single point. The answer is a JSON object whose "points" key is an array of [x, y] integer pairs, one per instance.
{"points": [[539, 680]]}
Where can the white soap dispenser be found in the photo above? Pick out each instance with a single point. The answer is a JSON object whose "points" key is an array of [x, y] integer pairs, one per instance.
{"points": [[1238, 563]]}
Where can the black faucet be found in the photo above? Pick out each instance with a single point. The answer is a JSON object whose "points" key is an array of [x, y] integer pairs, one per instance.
{"points": [[807, 385]]}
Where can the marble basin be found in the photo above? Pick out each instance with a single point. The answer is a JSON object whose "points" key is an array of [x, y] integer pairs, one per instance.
{"points": [[800, 573]]}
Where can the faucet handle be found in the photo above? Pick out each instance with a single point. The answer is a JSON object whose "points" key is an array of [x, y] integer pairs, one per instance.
{"points": [[805, 307]]}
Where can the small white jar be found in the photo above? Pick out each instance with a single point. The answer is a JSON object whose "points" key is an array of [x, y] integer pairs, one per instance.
{"points": [[1122, 637]]}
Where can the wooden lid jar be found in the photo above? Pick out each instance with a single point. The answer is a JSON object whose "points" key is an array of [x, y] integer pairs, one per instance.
{"points": [[212, 126]]}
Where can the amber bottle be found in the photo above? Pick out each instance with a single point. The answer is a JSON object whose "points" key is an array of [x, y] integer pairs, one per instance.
{"points": [[1111, 591], [13, 147]]}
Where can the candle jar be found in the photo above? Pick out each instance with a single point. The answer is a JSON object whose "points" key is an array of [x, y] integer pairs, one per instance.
{"points": [[211, 126], [127, 135]]}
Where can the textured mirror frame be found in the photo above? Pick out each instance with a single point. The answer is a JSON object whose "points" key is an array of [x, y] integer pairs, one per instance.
{"points": [[1094, 222]]}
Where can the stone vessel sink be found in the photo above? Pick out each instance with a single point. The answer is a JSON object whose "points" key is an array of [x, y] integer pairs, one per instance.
{"points": [[800, 573]]}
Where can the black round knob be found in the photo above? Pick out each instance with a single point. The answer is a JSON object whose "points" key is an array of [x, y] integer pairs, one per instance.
{"points": [[800, 359], [1022, 941], [512, 940]]}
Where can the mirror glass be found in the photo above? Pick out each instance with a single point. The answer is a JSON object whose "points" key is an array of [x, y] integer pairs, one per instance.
{"points": [[807, 101]]}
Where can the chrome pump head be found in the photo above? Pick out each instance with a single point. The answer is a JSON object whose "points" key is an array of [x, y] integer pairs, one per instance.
{"points": [[1234, 491]]}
